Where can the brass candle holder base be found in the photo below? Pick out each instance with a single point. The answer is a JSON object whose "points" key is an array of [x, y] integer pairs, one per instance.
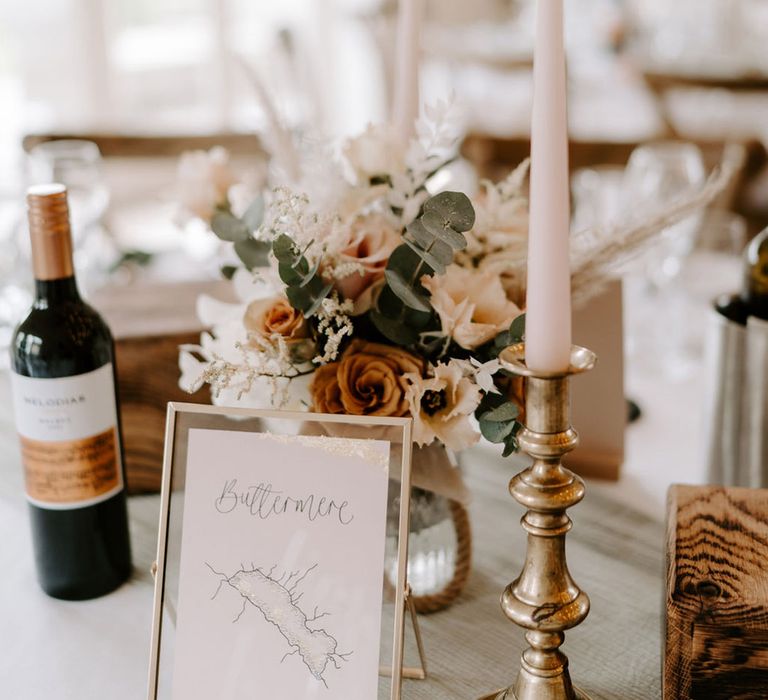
{"points": [[544, 600], [509, 694]]}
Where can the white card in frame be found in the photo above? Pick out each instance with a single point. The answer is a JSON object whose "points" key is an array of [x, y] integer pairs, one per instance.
{"points": [[281, 563]]}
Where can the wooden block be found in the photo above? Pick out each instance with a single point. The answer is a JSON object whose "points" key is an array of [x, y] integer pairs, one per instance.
{"points": [[597, 397], [149, 322], [716, 637]]}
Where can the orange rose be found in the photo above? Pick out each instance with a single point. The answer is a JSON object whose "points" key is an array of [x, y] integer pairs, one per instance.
{"points": [[326, 396], [367, 381]]}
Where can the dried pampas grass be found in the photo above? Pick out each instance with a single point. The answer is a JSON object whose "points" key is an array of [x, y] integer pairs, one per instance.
{"points": [[597, 257]]}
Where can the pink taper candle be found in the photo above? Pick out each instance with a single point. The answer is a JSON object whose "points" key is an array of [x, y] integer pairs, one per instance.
{"points": [[407, 47], [548, 312]]}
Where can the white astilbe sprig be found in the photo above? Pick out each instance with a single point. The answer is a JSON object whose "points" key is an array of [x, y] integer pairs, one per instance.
{"points": [[340, 270], [334, 324], [269, 364], [291, 213], [597, 257]]}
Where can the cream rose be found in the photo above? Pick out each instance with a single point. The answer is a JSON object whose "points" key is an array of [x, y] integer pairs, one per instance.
{"points": [[441, 406], [267, 318], [471, 304], [371, 241], [369, 380]]}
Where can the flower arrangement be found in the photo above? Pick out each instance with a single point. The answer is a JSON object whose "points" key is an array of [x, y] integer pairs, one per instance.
{"points": [[366, 292]]}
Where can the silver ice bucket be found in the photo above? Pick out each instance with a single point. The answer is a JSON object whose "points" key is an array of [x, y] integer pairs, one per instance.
{"points": [[736, 439]]}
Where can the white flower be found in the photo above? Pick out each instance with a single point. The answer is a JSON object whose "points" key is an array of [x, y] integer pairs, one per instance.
{"points": [[480, 372], [203, 179], [377, 151], [441, 407], [471, 304]]}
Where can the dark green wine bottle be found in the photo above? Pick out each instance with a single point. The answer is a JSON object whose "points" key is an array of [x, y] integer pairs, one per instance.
{"points": [[63, 380]]}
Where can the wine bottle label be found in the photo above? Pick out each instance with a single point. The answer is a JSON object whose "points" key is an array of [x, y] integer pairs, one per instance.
{"points": [[69, 441]]}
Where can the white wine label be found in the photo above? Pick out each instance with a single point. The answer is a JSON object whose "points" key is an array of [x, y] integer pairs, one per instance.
{"points": [[69, 441]]}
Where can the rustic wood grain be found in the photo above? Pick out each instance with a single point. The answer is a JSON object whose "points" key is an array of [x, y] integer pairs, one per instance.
{"points": [[147, 377], [716, 638]]}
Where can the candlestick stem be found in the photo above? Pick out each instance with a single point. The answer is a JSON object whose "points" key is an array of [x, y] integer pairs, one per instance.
{"points": [[544, 599]]}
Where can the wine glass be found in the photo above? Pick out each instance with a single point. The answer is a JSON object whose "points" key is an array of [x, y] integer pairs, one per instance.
{"points": [[656, 176], [15, 283], [75, 163], [597, 197]]}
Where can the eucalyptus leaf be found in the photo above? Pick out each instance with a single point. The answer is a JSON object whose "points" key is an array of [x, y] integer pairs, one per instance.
{"points": [[254, 214], [430, 260], [324, 292], [501, 341], [309, 276], [506, 412], [228, 227], [300, 298], [408, 262], [454, 207], [419, 233], [495, 432], [511, 445], [434, 224], [389, 304], [284, 249], [394, 329], [288, 275], [442, 252], [308, 299], [488, 403], [252, 253], [408, 296], [420, 319], [517, 329]]}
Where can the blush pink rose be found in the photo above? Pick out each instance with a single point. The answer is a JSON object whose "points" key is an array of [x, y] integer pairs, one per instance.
{"points": [[371, 242]]}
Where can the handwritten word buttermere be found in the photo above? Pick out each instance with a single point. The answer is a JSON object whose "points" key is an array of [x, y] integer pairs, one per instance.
{"points": [[265, 502]]}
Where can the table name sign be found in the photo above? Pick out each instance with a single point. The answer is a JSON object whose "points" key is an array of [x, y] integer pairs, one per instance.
{"points": [[277, 574]]}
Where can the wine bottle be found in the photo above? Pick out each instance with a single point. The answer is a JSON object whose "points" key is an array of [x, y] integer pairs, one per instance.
{"points": [[733, 307], [63, 384], [755, 291]]}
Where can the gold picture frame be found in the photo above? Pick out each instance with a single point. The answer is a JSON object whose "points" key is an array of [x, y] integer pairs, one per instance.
{"points": [[183, 417]]}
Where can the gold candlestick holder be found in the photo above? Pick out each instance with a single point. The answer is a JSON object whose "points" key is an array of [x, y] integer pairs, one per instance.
{"points": [[544, 599]]}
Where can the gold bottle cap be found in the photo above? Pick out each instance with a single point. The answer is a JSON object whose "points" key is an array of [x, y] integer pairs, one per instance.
{"points": [[49, 231]]}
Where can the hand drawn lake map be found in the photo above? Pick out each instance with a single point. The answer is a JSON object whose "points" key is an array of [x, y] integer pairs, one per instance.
{"points": [[277, 599], [281, 565]]}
